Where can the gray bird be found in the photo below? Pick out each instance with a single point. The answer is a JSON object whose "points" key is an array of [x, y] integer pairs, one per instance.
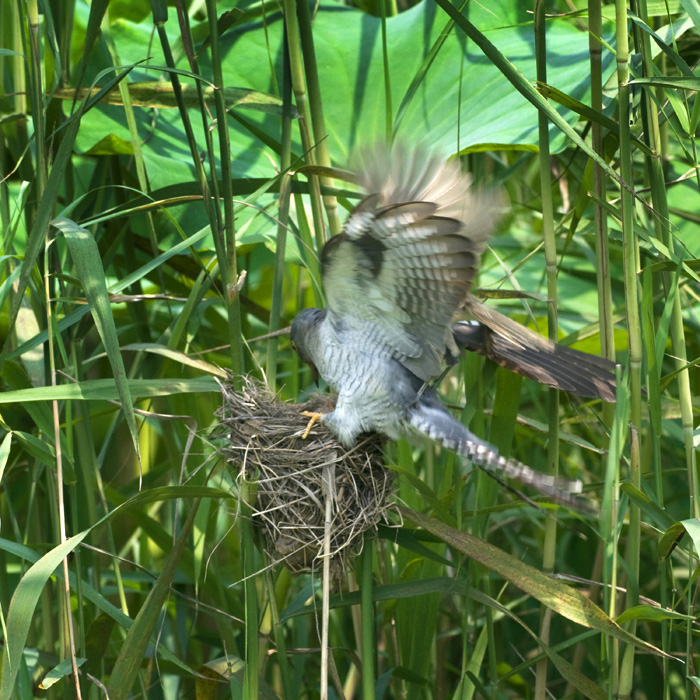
{"points": [[394, 278]]}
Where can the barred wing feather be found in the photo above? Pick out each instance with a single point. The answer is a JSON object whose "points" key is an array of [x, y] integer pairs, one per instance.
{"points": [[407, 257]]}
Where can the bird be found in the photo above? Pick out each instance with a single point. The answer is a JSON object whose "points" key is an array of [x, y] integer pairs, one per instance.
{"points": [[394, 278]]}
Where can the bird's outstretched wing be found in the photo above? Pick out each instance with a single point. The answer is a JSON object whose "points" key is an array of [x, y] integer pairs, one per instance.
{"points": [[521, 350], [408, 254]]}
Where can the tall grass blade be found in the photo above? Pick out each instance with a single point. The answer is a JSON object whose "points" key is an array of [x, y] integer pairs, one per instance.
{"points": [[128, 662], [561, 599], [88, 264]]}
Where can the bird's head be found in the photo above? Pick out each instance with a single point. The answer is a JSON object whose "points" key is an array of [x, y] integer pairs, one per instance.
{"points": [[303, 334]]}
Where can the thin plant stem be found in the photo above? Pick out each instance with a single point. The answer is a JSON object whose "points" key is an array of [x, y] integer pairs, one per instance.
{"points": [[550, 252], [283, 217], [367, 622], [232, 291], [318, 122], [631, 267], [250, 573], [602, 253], [670, 283], [67, 608], [296, 64], [328, 489]]}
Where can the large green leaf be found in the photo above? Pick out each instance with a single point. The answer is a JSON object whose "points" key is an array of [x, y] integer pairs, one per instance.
{"points": [[349, 51], [22, 606]]}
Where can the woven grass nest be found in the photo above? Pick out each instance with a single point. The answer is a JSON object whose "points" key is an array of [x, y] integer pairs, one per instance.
{"points": [[260, 435]]}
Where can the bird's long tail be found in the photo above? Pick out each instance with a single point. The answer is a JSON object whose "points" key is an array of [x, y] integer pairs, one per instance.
{"points": [[430, 418]]}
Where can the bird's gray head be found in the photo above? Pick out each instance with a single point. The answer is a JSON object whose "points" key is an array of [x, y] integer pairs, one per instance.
{"points": [[304, 330]]}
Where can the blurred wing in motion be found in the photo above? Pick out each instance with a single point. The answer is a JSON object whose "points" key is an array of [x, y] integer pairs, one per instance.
{"points": [[407, 255]]}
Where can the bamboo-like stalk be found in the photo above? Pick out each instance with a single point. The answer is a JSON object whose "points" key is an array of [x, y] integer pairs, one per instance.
{"points": [[79, 647], [367, 622], [34, 53], [283, 218], [160, 17], [36, 89], [661, 223], [228, 267], [550, 254], [605, 305], [232, 290], [67, 622], [662, 228], [250, 572], [631, 267], [296, 64], [318, 122], [328, 490], [603, 276]]}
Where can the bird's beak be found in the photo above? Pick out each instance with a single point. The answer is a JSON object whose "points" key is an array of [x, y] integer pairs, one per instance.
{"points": [[314, 374], [314, 370]]}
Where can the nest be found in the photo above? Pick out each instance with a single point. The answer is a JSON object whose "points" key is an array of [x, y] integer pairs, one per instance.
{"points": [[262, 437]]}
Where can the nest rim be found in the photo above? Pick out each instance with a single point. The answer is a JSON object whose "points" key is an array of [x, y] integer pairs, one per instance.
{"points": [[261, 436]]}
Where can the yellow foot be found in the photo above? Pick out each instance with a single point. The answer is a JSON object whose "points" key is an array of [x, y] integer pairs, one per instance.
{"points": [[314, 418]]}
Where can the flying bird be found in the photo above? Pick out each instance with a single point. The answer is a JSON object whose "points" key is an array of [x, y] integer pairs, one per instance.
{"points": [[394, 279]]}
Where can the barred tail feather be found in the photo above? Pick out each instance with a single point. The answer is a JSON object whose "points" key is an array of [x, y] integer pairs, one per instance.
{"points": [[431, 419]]}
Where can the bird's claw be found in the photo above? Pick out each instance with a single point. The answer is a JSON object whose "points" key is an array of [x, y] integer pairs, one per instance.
{"points": [[314, 417]]}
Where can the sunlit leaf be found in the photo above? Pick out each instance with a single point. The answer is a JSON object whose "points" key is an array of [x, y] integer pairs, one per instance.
{"points": [[58, 672]]}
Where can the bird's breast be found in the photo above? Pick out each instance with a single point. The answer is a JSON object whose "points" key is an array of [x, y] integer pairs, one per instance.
{"points": [[374, 390], [350, 361]]}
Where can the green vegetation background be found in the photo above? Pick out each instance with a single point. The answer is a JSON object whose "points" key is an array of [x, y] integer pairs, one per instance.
{"points": [[135, 270]]}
